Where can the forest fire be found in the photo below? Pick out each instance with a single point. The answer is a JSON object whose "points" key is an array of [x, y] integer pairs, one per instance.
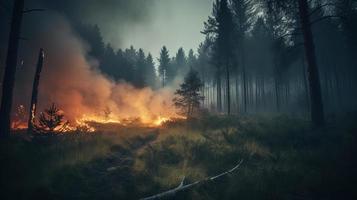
{"points": [[137, 121], [84, 122], [72, 81]]}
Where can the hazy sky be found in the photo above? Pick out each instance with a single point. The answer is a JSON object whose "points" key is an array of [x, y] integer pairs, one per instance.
{"points": [[174, 23], [147, 24]]}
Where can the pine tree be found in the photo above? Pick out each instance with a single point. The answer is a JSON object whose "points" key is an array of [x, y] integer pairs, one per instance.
{"points": [[181, 62], [150, 78], [220, 27], [140, 69], [188, 98], [51, 120], [224, 48], [242, 13], [191, 60], [164, 64]]}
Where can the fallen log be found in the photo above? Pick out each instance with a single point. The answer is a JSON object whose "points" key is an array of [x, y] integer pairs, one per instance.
{"points": [[183, 187]]}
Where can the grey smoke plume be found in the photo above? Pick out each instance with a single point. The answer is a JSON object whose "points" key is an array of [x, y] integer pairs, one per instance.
{"points": [[80, 90]]}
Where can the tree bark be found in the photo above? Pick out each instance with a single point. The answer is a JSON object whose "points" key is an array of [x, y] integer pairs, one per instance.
{"points": [[219, 93], [245, 93], [317, 112], [10, 68], [228, 90], [36, 82]]}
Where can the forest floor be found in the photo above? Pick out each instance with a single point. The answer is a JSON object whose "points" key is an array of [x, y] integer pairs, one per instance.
{"points": [[283, 159]]}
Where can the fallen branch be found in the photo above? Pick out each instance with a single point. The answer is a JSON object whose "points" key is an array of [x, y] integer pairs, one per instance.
{"points": [[182, 187]]}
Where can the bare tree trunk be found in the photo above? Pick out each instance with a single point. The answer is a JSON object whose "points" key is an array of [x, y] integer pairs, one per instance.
{"points": [[10, 68], [277, 100], [244, 86], [256, 93], [317, 112], [237, 93], [33, 105], [219, 93], [163, 79], [306, 89], [228, 90]]}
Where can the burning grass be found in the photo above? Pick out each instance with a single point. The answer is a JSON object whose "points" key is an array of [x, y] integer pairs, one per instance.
{"points": [[87, 123]]}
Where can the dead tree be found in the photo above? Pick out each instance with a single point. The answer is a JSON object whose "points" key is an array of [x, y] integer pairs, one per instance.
{"points": [[10, 68], [183, 187], [36, 82]]}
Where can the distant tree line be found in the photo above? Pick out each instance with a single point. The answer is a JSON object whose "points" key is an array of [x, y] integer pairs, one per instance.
{"points": [[134, 66]]}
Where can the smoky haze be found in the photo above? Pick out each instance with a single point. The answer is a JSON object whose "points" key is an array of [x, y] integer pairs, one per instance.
{"points": [[148, 24], [76, 85]]}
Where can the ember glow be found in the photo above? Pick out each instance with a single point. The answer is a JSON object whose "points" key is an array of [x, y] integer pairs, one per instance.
{"points": [[72, 81]]}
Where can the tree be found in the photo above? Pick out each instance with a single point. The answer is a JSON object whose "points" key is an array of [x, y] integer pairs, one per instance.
{"points": [[107, 62], [164, 64], [181, 62], [224, 49], [188, 97], [220, 26], [150, 78], [51, 120], [289, 9], [36, 82], [92, 35], [317, 111], [10, 68], [242, 13], [140, 69], [191, 59]]}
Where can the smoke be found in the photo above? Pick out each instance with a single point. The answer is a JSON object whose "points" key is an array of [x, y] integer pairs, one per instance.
{"points": [[79, 89], [114, 17]]}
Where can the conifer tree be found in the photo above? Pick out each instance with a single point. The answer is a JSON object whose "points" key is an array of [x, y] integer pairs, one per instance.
{"points": [[188, 97]]}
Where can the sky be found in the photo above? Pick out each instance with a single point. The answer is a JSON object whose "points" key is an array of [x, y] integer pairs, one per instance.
{"points": [[174, 23], [147, 24], [150, 24]]}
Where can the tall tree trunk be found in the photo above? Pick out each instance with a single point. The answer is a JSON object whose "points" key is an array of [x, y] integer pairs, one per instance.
{"points": [[306, 89], [10, 68], [237, 93], [317, 112], [256, 93], [33, 105], [163, 79], [263, 93], [219, 93], [228, 90], [245, 93], [276, 85]]}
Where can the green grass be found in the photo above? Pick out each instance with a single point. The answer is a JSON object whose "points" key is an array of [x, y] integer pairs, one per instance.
{"points": [[283, 159]]}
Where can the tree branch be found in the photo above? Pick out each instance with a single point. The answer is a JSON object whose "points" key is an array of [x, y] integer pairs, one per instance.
{"points": [[183, 187]]}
